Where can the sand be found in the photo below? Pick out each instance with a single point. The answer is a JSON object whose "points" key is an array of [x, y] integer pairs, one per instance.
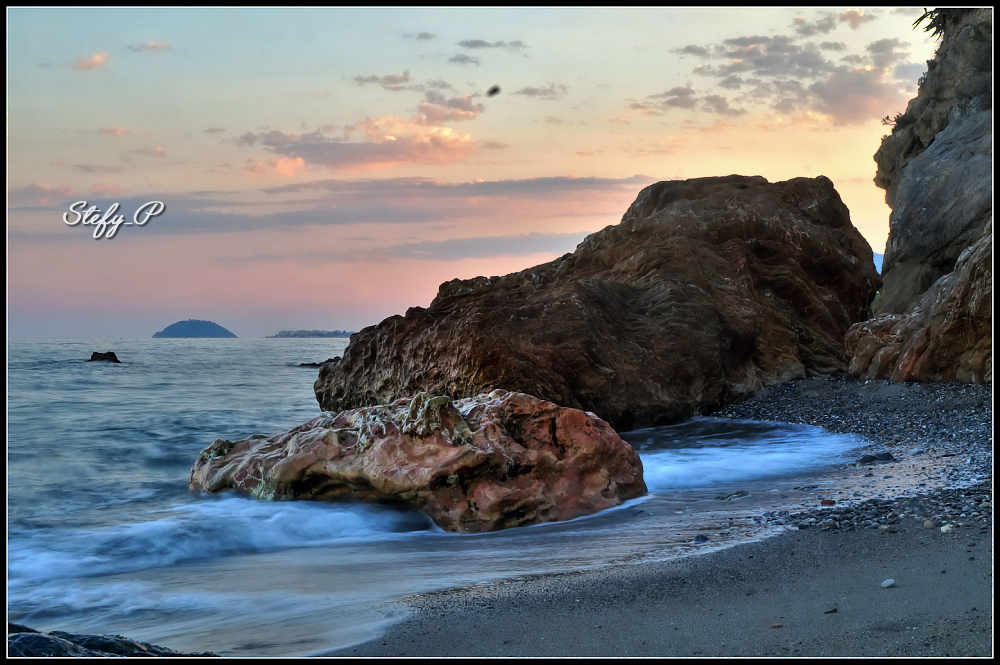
{"points": [[797, 593], [730, 603]]}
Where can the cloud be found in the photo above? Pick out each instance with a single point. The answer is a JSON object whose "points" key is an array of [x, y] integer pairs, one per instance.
{"points": [[479, 247], [857, 95], [855, 17], [515, 45], [214, 130], [38, 194], [281, 167], [887, 52], [645, 108], [493, 145], [692, 49], [677, 97], [91, 62], [392, 82], [719, 104], [437, 108], [95, 168], [462, 59], [150, 46], [550, 91], [425, 36], [388, 141], [821, 26], [106, 189], [833, 46], [113, 131], [156, 151]]}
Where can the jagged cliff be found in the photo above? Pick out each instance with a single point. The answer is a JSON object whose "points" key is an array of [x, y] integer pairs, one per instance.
{"points": [[934, 310]]}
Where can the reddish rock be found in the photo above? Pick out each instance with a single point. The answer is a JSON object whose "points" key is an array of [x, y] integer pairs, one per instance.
{"points": [[708, 290], [947, 335], [478, 464]]}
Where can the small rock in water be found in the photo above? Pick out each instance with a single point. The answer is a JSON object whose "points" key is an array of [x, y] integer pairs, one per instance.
{"points": [[777, 625], [888, 583], [929, 524], [107, 355], [700, 538], [830, 611], [828, 502]]}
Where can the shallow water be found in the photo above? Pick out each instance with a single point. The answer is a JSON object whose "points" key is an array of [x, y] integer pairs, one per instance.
{"points": [[104, 536]]}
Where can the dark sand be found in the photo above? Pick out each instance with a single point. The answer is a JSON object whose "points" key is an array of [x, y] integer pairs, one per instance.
{"points": [[730, 602], [725, 604]]}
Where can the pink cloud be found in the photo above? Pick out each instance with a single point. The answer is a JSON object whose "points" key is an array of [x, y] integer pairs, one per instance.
{"points": [[91, 62], [114, 131], [281, 167], [158, 151], [39, 194], [107, 189], [855, 17], [388, 141], [857, 95]]}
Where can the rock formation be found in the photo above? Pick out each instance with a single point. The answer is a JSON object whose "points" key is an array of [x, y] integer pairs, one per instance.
{"points": [[708, 289], [108, 356], [935, 307], [24, 642], [477, 464]]}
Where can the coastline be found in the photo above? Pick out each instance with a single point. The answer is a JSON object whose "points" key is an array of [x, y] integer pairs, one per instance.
{"points": [[725, 602]]}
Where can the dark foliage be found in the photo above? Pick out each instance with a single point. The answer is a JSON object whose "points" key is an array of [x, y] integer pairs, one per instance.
{"points": [[939, 19]]}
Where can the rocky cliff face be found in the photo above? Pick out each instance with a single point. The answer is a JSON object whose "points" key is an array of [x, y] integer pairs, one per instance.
{"points": [[936, 166], [935, 307], [707, 290]]}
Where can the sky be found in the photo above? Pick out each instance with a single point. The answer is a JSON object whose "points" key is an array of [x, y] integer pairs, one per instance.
{"points": [[327, 168]]}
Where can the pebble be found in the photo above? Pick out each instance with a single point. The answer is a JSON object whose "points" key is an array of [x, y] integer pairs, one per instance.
{"points": [[700, 538], [947, 528], [888, 583], [943, 422]]}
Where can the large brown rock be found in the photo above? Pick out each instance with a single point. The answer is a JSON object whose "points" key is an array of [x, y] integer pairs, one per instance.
{"points": [[946, 335], [478, 464], [708, 289], [936, 166]]}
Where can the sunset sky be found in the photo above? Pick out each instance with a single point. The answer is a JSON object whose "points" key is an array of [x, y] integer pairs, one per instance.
{"points": [[324, 169]]}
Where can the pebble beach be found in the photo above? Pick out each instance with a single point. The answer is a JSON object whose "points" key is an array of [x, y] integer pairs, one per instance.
{"points": [[888, 556]]}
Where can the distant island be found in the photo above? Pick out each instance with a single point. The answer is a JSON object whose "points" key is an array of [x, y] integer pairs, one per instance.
{"points": [[312, 333], [193, 328]]}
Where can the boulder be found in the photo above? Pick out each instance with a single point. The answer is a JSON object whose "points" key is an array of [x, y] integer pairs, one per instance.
{"points": [[108, 356], [707, 290], [946, 335], [478, 464], [936, 166]]}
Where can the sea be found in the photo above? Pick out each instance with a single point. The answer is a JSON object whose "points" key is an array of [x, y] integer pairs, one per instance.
{"points": [[104, 536]]}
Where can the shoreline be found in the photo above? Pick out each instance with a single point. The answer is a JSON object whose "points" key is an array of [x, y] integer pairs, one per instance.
{"points": [[821, 584]]}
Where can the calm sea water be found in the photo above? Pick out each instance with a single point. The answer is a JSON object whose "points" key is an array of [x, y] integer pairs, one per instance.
{"points": [[104, 536]]}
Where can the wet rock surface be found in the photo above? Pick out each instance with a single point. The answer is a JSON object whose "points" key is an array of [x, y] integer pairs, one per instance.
{"points": [[489, 462], [706, 291], [25, 642]]}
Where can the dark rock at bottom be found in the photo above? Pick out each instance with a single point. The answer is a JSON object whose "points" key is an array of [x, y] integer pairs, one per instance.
{"points": [[24, 642]]}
